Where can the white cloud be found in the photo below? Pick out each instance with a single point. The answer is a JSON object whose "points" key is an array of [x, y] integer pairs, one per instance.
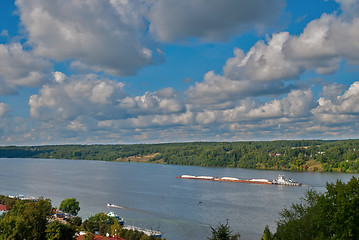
{"points": [[298, 103], [79, 95], [88, 96], [325, 41], [350, 8], [162, 101], [263, 70], [222, 92], [346, 104], [20, 68], [77, 125], [59, 77], [4, 108], [322, 45], [332, 91], [263, 62], [101, 35], [259, 94], [210, 20]]}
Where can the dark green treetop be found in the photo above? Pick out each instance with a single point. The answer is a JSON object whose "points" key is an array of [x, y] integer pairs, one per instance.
{"points": [[70, 205], [331, 215], [223, 232]]}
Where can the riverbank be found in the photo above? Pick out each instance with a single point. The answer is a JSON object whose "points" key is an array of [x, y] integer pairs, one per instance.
{"points": [[302, 156]]}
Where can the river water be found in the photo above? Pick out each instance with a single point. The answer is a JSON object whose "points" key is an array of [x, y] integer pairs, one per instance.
{"points": [[154, 198]]}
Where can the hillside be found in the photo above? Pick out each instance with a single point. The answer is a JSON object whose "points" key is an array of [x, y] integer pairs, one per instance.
{"points": [[293, 155]]}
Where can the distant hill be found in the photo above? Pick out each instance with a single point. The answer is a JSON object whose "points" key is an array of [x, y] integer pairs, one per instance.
{"points": [[293, 155]]}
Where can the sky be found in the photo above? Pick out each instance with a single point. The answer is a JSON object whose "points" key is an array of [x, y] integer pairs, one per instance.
{"points": [[154, 71]]}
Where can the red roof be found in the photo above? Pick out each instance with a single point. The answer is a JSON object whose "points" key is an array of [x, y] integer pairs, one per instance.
{"points": [[3, 207], [98, 237]]}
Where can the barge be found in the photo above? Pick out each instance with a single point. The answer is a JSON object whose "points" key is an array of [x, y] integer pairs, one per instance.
{"points": [[281, 180]]}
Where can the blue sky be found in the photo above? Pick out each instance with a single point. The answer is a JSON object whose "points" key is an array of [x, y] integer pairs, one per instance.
{"points": [[151, 71]]}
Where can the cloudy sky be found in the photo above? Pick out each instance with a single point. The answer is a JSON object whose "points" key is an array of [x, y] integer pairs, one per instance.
{"points": [[149, 71]]}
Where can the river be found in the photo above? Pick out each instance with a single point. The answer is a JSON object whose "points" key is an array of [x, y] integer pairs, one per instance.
{"points": [[154, 198]]}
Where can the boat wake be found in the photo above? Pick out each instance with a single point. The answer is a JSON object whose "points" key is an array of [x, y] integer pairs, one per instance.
{"points": [[125, 208], [159, 215]]}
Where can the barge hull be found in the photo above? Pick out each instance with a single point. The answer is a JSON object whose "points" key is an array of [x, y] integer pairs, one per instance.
{"points": [[226, 180]]}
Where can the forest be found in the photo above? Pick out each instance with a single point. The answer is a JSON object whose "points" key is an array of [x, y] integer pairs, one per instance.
{"points": [[292, 155]]}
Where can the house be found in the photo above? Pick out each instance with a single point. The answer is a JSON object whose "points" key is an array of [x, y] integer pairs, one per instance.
{"points": [[3, 209]]}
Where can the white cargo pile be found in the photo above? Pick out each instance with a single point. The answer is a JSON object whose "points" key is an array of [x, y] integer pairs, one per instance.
{"points": [[205, 177], [229, 179], [259, 180], [188, 176]]}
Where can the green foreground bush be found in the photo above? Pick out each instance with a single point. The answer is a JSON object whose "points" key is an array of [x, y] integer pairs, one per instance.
{"points": [[331, 215]]}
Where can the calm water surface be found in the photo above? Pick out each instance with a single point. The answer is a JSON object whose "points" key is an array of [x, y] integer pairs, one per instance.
{"points": [[155, 198]]}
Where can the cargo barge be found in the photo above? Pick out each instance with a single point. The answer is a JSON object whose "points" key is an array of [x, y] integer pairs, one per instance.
{"points": [[281, 180]]}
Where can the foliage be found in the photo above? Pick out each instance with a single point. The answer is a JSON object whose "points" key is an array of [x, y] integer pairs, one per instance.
{"points": [[267, 235], [89, 236], [26, 220], [99, 223], [105, 224], [32, 221], [332, 215], [223, 232], [76, 221], [58, 231], [294, 155], [70, 205], [9, 202]]}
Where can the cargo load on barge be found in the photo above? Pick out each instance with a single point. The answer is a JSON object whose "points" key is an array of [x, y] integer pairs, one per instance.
{"points": [[281, 180]]}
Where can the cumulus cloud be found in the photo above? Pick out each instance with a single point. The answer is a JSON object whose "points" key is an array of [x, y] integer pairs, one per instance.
{"points": [[322, 45], [332, 91], [222, 92], [119, 37], [162, 101], [270, 67], [101, 35], [77, 96], [344, 107], [98, 98], [263, 62], [259, 92], [324, 41], [59, 77], [298, 103], [210, 20], [20, 68], [350, 8], [4, 108]]}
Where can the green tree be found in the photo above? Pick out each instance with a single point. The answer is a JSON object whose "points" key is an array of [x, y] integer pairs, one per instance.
{"points": [[223, 232], [267, 235], [70, 205], [332, 215], [76, 221], [115, 228], [100, 222], [26, 220], [58, 231]]}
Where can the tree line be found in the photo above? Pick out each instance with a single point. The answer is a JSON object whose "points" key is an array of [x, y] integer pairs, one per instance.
{"points": [[34, 220], [293, 155]]}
